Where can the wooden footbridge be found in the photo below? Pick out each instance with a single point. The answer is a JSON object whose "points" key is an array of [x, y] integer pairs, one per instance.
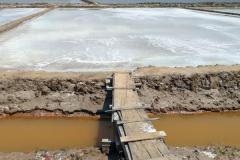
{"points": [[136, 133]]}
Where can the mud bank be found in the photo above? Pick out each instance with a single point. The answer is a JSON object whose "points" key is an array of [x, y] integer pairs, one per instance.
{"points": [[214, 89], [167, 90], [32, 92], [73, 154], [196, 153]]}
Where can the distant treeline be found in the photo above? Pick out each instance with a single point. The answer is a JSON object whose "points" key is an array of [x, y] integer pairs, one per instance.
{"points": [[120, 1]]}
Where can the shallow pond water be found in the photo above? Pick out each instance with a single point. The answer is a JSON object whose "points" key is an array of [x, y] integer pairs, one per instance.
{"points": [[11, 14], [161, 1], [110, 39], [230, 10], [40, 1], [28, 134]]}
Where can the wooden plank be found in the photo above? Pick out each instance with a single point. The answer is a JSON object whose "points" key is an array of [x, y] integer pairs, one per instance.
{"points": [[124, 122], [151, 148], [136, 127], [113, 88], [121, 109], [167, 157], [143, 136]]}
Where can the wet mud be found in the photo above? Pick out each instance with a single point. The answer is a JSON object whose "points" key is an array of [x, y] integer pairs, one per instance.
{"points": [[214, 89]]}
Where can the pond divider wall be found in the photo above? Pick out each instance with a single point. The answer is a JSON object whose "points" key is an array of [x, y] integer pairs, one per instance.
{"points": [[15, 23], [214, 11], [196, 92]]}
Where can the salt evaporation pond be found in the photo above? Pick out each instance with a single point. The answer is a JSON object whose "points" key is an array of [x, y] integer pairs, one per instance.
{"points": [[230, 10], [40, 1], [162, 1], [10, 14], [108, 39]]}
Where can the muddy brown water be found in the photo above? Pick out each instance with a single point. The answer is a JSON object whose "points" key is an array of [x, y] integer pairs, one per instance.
{"points": [[29, 134], [201, 129]]}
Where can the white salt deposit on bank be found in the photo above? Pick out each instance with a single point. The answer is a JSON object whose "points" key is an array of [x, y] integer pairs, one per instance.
{"points": [[209, 154], [108, 39]]}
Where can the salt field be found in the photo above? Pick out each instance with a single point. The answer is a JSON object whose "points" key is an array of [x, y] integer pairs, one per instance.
{"points": [[109, 39], [8, 15], [92, 79], [162, 1], [230, 10], [40, 1]]}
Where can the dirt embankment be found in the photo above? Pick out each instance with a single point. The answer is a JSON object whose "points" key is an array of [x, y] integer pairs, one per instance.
{"points": [[193, 90], [70, 154], [51, 92], [211, 88], [184, 153], [15, 23]]}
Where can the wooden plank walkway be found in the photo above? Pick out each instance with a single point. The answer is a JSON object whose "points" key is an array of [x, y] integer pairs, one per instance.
{"points": [[138, 137]]}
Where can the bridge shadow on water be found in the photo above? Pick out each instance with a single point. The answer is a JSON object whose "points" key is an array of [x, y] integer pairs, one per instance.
{"points": [[106, 129]]}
